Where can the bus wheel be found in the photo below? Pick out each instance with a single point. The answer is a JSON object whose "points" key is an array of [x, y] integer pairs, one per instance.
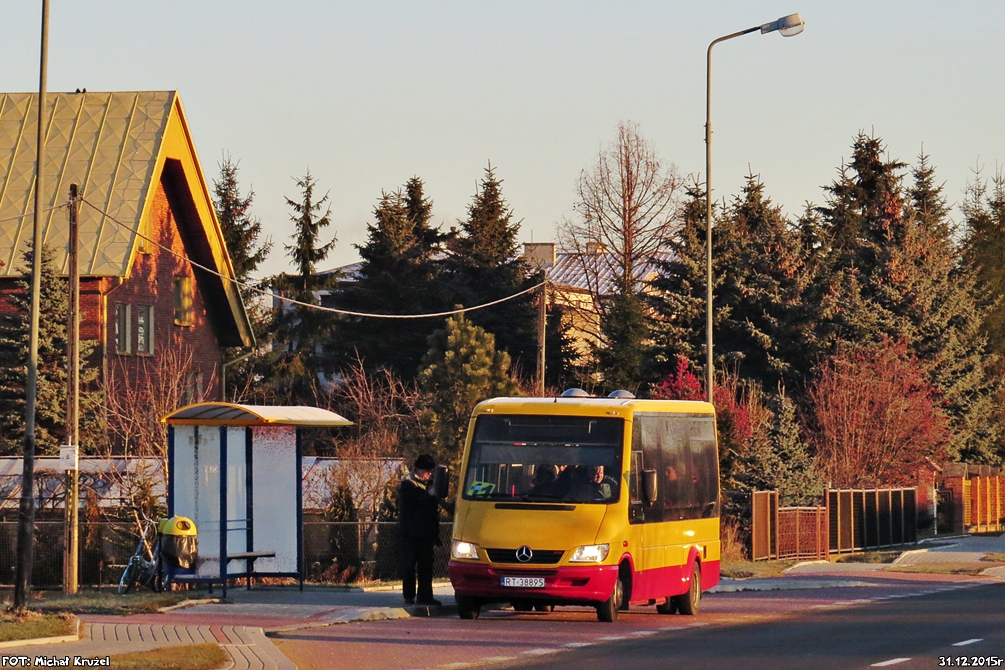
{"points": [[687, 603], [669, 607], [608, 610], [468, 608]]}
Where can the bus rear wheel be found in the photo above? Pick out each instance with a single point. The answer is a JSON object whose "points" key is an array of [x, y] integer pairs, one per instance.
{"points": [[669, 607], [607, 611], [688, 603]]}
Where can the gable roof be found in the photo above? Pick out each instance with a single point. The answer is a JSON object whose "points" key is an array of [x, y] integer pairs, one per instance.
{"points": [[117, 147], [598, 272]]}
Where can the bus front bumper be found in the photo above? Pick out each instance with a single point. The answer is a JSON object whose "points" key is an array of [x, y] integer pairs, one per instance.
{"points": [[567, 584]]}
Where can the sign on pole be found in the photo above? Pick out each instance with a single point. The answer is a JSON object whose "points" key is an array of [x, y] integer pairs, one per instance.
{"points": [[69, 457]]}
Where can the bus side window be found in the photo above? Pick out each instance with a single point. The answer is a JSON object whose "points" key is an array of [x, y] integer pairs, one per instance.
{"points": [[647, 437], [678, 470], [706, 459]]}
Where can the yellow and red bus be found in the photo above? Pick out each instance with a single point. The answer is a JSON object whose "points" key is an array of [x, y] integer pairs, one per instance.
{"points": [[607, 502]]}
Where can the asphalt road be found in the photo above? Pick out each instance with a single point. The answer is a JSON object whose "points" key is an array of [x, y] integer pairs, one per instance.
{"points": [[919, 618], [941, 629]]}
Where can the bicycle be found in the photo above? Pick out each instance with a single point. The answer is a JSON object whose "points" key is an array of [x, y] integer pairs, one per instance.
{"points": [[144, 566]]}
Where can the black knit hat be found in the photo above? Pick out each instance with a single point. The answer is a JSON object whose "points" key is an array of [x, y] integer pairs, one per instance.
{"points": [[425, 462]]}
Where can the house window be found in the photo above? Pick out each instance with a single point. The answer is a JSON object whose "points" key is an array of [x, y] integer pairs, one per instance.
{"points": [[184, 301], [145, 329], [123, 323]]}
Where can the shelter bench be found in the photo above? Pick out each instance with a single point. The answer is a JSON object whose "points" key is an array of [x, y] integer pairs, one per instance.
{"points": [[250, 557]]}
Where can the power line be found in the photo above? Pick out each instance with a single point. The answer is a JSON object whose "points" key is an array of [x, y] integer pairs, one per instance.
{"points": [[32, 213], [333, 310]]}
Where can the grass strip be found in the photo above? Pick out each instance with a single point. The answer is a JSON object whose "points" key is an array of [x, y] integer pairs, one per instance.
{"points": [[754, 569], [32, 625], [206, 656], [107, 601]]}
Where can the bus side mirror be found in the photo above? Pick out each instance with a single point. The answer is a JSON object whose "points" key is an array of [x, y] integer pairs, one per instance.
{"points": [[649, 487], [441, 481]]}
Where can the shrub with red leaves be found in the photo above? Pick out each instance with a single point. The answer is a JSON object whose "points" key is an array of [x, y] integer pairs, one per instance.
{"points": [[874, 417]]}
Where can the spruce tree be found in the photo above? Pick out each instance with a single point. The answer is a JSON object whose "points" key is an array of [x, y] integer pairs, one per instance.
{"points": [[484, 266], [677, 293], [796, 475], [624, 332], [50, 408], [242, 233], [763, 317], [298, 330], [461, 368], [241, 230], [984, 249], [401, 273], [891, 272]]}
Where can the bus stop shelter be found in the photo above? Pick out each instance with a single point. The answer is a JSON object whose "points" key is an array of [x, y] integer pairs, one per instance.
{"points": [[236, 471]]}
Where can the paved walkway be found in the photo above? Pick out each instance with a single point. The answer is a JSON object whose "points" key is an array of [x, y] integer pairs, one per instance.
{"points": [[237, 626], [966, 549], [247, 646]]}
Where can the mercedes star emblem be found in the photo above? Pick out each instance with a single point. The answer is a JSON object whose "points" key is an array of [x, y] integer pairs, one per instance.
{"points": [[524, 554]]}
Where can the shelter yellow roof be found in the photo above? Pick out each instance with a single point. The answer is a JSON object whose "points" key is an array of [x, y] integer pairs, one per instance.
{"points": [[229, 414], [116, 147]]}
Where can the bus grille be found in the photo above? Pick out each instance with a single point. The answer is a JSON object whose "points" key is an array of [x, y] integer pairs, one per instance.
{"points": [[540, 557]]}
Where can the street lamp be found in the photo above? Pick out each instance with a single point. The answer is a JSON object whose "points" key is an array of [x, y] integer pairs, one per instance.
{"points": [[788, 26]]}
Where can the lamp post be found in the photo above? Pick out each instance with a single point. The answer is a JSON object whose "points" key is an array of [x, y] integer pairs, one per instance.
{"points": [[788, 26]]}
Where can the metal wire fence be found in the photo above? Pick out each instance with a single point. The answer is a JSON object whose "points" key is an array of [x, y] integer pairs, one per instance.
{"points": [[334, 553]]}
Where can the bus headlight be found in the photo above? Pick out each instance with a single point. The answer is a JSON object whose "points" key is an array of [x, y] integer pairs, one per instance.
{"points": [[460, 549], [591, 553]]}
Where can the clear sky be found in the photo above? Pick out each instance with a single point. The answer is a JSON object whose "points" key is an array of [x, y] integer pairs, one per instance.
{"points": [[368, 94]]}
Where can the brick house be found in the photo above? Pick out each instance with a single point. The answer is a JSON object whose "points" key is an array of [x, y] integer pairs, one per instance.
{"points": [[133, 157]]}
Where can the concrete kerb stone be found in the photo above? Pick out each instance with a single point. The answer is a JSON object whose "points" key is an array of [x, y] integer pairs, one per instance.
{"points": [[367, 614], [782, 584], [72, 637], [802, 563], [195, 601], [911, 552], [378, 588]]}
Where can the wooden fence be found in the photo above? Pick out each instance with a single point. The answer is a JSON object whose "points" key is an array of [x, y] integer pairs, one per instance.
{"points": [[849, 520], [972, 503]]}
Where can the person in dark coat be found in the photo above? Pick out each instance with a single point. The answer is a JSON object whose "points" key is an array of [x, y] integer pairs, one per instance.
{"points": [[418, 511]]}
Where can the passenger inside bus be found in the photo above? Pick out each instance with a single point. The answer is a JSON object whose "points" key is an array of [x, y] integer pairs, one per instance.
{"points": [[544, 481]]}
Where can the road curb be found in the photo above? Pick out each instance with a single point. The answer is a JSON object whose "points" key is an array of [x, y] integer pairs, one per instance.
{"points": [[45, 640], [783, 584], [909, 552], [195, 601], [367, 614]]}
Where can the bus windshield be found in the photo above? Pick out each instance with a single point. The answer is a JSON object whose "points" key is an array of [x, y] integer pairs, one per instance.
{"points": [[537, 458]]}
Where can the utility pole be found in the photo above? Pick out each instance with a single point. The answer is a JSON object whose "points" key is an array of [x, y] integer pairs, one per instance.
{"points": [[542, 313], [70, 462], [26, 510]]}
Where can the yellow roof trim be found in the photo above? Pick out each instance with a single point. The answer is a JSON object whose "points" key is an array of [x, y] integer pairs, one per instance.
{"points": [[231, 414], [177, 144]]}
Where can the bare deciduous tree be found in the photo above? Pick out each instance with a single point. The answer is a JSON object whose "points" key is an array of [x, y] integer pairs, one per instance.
{"points": [[382, 408], [135, 404], [626, 211], [627, 207]]}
